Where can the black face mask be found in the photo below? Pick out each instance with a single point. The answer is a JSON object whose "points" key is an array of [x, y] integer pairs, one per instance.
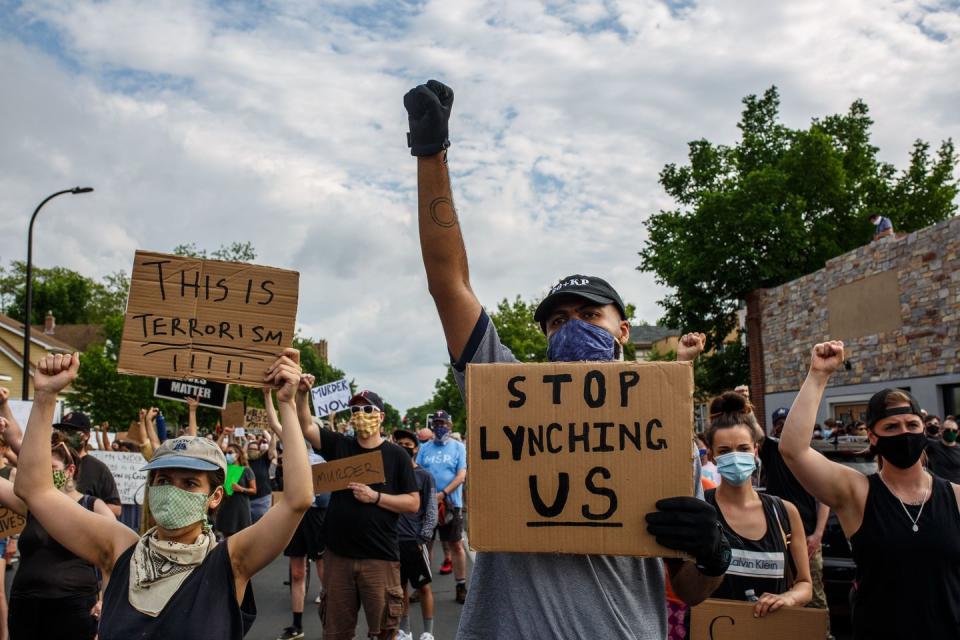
{"points": [[933, 430], [902, 450], [410, 451]]}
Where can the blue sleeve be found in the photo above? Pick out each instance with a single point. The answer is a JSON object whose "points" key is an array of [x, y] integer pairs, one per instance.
{"points": [[161, 427], [461, 458], [885, 224]]}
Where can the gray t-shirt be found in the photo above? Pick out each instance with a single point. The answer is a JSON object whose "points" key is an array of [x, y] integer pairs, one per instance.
{"points": [[551, 595]]}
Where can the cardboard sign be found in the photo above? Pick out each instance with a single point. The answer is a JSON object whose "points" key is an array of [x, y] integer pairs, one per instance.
{"points": [[366, 468], [255, 420], [125, 468], [233, 414], [570, 457], [733, 620], [223, 321], [209, 393], [331, 397], [11, 522]]}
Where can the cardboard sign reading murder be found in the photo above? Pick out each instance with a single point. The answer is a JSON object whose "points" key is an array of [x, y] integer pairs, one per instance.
{"points": [[11, 523], [223, 321], [366, 468], [570, 457], [232, 414], [733, 620], [208, 393]]}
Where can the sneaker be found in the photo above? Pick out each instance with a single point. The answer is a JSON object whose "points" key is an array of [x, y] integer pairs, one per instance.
{"points": [[446, 568], [461, 593], [404, 635], [415, 596], [425, 636], [291, 633], [318, 600]]}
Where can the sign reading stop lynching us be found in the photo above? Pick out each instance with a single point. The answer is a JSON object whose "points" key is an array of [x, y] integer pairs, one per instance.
{"points": [[570, 457], [733, 620], [331, 397], [223, 321], [207, 392]]}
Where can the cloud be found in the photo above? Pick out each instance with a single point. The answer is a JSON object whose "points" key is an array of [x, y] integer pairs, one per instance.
{"points": [[282, 124]]}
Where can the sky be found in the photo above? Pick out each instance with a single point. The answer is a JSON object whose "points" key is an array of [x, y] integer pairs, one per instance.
{"points": [[282, 124]]}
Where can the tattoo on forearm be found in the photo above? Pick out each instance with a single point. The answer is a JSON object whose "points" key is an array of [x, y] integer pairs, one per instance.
{"points": [[443, 213]]}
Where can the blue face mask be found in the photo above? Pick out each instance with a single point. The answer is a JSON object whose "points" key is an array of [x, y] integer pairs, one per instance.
{"points": [[579, 341], [736, 467], [440, 433]]}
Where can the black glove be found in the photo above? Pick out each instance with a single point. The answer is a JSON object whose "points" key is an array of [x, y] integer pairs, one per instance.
{"points": [[690, 525], [428, 111]]}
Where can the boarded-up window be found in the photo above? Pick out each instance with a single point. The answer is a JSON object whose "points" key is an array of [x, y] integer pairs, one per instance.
{"points": [[865, 307]]}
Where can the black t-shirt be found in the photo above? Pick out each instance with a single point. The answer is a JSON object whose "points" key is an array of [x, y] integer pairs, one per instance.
{"points": [[261, 469], [94, 479], [359, 530], [234, 512], [205, 606], [782, 483], [47, 568], [944, 461]]}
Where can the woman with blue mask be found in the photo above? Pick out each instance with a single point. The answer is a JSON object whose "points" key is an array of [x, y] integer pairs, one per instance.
{"points": [[234, 512], [770, 566]]}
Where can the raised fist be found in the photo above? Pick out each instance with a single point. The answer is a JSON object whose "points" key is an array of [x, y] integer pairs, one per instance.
{"points": [[690, 346], [827, 357], [54, 373], [428, 112], [306, 382]]}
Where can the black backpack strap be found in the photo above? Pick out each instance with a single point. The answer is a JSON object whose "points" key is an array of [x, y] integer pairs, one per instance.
{"points": [[87, 502]]}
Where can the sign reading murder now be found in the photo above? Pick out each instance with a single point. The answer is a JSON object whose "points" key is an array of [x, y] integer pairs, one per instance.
{"points": [[331, 397], [366, 468], [126, 470], [733, 620], [11, 522], [584, 450], [223, 321], [209, 393]]}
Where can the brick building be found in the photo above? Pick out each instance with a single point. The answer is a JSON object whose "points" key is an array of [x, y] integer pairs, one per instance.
{"points": [[896, 306]]}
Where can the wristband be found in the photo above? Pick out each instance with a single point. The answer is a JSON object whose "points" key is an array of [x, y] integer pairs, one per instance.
{"points": [[377, 501]]}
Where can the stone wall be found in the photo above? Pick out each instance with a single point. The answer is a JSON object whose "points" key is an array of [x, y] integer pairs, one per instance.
{"points": [[796, 315]]}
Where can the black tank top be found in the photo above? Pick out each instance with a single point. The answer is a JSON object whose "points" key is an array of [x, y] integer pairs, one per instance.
{"points": [[761, 564], [908, 583], [203, 608]]}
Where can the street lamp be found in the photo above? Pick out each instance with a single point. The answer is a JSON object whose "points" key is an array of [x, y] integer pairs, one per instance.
{"points": [[28, 303]]}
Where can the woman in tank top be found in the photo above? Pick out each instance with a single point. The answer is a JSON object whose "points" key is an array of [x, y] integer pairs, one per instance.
{"points": [[175, 581], [902, 522], [769, 566], [50, 577]]}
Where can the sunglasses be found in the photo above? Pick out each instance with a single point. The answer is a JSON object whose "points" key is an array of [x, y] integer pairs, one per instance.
{"points": [[367, 408]]}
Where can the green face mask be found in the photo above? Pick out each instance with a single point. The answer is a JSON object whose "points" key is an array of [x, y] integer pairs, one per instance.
{"points": [[59, 478], [949, 435], [175, 508]]}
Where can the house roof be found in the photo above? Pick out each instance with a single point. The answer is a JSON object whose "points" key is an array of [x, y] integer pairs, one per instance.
{"points": [[49, 343], [79, 336], [647, 335]]}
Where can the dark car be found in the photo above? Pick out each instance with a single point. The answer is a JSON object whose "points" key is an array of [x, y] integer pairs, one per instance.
{"points": [[839, 569]]}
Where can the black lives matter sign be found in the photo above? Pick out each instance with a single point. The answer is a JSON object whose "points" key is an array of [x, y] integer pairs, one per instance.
{"points": [[569, 457], [223, 321], [208, 392]]}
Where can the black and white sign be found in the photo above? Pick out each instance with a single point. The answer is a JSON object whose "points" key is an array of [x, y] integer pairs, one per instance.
{"points": [[211, 394], [331, 398]]}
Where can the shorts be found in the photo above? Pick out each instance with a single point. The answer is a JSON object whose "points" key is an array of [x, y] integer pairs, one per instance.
{"points": [[414, 564], [308, 540], [453, 530], [351, 582], [3, 546]]}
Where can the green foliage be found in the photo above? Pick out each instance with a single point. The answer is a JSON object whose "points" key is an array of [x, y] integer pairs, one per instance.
{"points": [[777, 206], [234, 252], [518, 331], [73, 298], [446, 396]]}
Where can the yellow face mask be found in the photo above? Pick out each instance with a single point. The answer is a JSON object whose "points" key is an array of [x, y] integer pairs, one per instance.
{"points": [[365, 424]]}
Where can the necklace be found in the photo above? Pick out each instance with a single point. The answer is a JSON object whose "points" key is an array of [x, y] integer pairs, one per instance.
{"points": [[923, 503]]}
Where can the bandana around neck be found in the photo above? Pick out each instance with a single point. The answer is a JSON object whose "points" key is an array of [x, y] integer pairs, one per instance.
{"points": [[159, 567]]}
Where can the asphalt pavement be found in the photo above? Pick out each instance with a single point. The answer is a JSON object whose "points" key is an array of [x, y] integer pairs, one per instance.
{"points": [[273, 604]]}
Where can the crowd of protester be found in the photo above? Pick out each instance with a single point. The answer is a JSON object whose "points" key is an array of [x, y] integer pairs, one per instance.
{"points": [[218, 508]]}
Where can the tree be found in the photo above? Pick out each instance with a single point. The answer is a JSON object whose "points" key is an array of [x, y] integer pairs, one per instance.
{"points": [[72, 297], [234, 252], [777, 206]]}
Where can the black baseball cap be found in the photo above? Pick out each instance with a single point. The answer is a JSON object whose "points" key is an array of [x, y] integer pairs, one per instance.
{"points": [[877, 407], [367, 397], [405, 433], [590, 288], [75, 421]]}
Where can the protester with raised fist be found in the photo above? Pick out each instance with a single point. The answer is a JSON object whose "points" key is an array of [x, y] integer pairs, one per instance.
{"points": [[758, 526], [361, 564], [532, 595], [175, 581], [901, 522], [51, 578]]}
